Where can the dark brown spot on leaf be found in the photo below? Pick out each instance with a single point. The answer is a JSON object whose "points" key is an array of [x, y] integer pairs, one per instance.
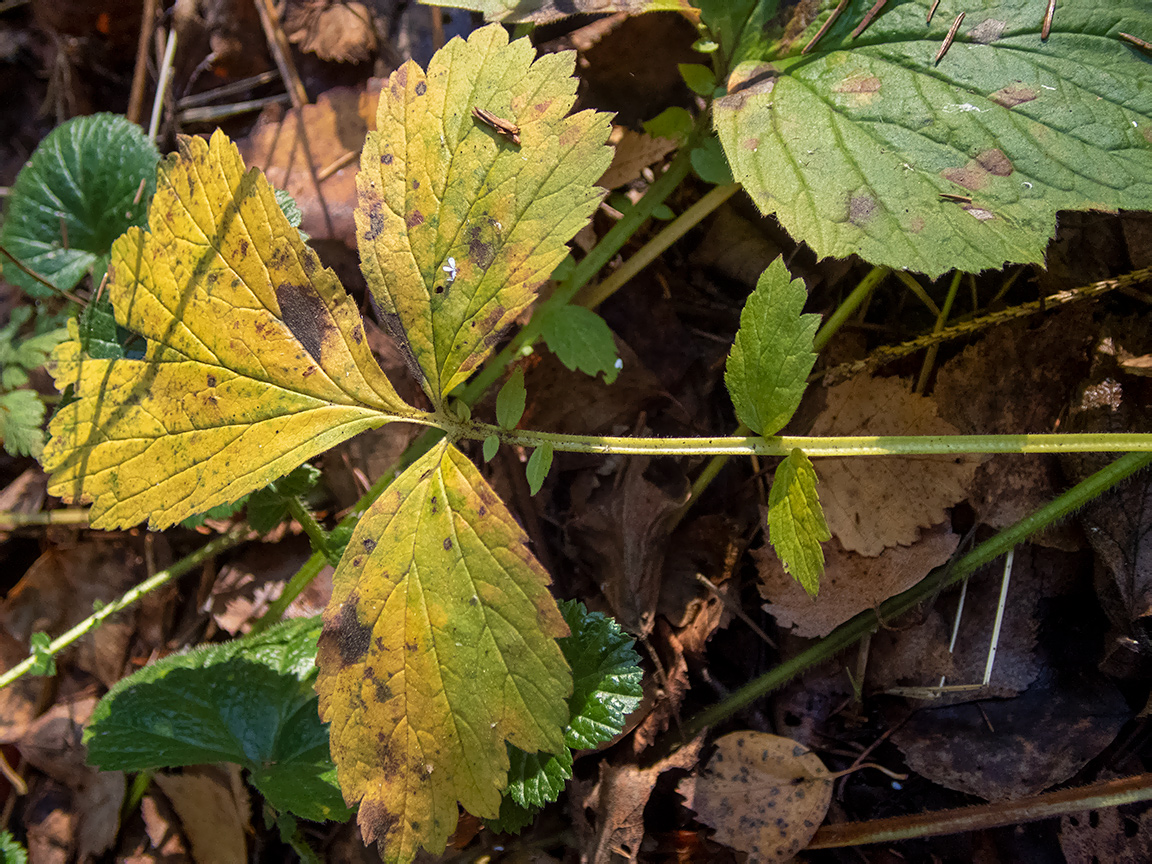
{"points": [[447, 544], [858, 84], [414, 218], [752, 144], [369, 545], [375, 220], [481, 252], [415, 184], [211, 380], [386, 158], [357, 334], [308, 262], [305, 316], [352, 638], [421, 88], [376, 820], [243, 248]]}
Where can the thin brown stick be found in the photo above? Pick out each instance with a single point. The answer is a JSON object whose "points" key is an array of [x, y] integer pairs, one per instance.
{"points": [[34, 275], [932, 11], [437, 27], [1137, 41], [281, 53], [140, 73], [869, 18], [1046, 28], [1109, 793], [840, 7], [948, 39]]}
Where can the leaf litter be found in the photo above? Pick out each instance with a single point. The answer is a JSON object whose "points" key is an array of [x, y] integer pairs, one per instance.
{"points": [[1018, 377]]}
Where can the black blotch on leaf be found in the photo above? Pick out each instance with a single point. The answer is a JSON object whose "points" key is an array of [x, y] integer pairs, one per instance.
{"points": [[305, 316], [421, 88], [447, 544], [352, 637], [369, 545]]}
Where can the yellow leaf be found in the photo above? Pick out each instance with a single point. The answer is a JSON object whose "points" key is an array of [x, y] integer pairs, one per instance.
{"points": [[255, 357], [438, 646], [462, 219]]}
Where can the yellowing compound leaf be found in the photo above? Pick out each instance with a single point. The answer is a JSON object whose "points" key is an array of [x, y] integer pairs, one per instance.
{"points": [[460, 221], [255, 358], [438, 647]]}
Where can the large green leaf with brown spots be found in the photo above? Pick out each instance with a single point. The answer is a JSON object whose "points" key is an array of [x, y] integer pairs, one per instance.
{"points": [[461, 219], [253, 359], [869, 145], [438, 647]]}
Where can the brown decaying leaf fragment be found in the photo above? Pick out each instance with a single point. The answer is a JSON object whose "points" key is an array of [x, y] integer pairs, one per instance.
{"points": [[503, 127]]}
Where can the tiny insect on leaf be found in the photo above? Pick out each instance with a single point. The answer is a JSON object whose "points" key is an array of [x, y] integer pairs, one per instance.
{"points": [[504, 127]]}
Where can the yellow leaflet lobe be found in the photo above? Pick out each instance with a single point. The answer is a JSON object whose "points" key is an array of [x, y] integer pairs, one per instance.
{"points": [[459, 225], [438, 646], [255, 361]]}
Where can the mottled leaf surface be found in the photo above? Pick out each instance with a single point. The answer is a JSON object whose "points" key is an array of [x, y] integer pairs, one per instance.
{"points": [[439, 647], [458, 225], [768, 368], [854, 145], [256, 359]]}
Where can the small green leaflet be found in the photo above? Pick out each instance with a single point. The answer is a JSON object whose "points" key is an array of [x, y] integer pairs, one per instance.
{"points": [[249, 701], [510, 400], [796, 525], [21, 415], [491, 445], [582, 340], [539, 464], [772, 356]]}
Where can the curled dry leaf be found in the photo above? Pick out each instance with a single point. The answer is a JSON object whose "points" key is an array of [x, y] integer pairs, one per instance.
{"points": [[344, 32], [851, 582], [871, 504], [765, 795]]}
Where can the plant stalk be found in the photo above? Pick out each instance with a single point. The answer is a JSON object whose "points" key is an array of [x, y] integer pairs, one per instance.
{"points": [[159, 580], [852, 631]]}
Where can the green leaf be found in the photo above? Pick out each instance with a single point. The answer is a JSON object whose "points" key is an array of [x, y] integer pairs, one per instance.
{"points": [[582, 340], [606, 688], [458, 225], [674, 124], [221, 511], [535, 779], [513, 817], [699, 78], [11, 852], [21, 415], [248, 701], [101, 338], [510, 401], [256, 358], [491, 445], [606, 676], [796, 525], [75, 196], [438, 648], [539, 464], [770, 361], [710, 163], [869, 146], [45, 661]]}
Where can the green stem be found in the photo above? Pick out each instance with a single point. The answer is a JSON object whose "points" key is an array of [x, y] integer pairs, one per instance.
{"points": [[851, 445], [10, 520], [184, 565], [851, 303], [852, 631], [589, 265], [941, 318], [315, 531], [658, 245]]}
